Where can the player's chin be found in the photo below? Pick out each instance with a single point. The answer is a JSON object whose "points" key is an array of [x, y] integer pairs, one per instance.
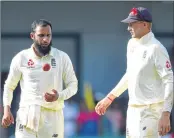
{"points": [[133, 36]]}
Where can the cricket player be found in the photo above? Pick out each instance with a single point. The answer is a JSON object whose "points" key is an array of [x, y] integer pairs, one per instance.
{"points": [[149, 79], [41, 70]]}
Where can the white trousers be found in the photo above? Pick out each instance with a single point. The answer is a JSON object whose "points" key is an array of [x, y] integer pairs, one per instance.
{"points": [[51, 125], [142, 121]]}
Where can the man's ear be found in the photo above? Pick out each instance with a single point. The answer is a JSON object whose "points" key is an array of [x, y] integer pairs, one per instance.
{"points": [[32, 35]]}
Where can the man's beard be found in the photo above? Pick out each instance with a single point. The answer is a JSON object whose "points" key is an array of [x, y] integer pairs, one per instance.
{"points": [[42, 50]]}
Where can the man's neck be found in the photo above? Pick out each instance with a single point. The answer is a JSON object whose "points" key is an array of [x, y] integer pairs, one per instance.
{"points": [[145, 33]]}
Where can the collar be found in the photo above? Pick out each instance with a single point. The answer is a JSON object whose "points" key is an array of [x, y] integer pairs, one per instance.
{"points": [[145, 39], [34, 54]]}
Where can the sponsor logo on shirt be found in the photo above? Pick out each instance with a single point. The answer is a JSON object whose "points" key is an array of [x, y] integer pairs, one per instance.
{"points": [[55, 135], [144, 128], [53, 62], [21, 127], [168, 65], [127, 132], [30, 63], [144, 54]]}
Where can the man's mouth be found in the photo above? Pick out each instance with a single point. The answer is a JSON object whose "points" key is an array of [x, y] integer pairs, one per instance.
{"points": [[44, 45]]}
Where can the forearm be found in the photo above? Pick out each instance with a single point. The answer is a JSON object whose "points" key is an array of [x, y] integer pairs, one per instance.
{"points": [[119, 88], [7, 108]]}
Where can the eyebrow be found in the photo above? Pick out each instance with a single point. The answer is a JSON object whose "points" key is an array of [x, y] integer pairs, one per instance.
{"points": [[43, 34]]}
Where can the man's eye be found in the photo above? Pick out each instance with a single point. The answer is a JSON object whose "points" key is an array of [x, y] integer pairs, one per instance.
{"points": [[41, 35]]}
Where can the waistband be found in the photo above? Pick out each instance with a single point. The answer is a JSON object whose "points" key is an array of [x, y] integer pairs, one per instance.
{"points": [[144, 105]]}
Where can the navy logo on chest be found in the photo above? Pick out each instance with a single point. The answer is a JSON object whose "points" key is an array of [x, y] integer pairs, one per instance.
{"points": [[144, 54], [53, 62]]}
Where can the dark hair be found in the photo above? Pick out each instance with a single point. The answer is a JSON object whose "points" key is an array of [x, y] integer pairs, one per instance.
{"points": [[40, 22]]}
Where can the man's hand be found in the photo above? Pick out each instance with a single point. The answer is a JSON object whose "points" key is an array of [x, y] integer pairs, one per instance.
{"points": [[7, 118], [51, 97], [102, 106], [164, 124]]}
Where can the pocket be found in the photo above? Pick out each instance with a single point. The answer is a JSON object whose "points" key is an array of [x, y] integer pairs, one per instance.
{"points": [[149, 127]]}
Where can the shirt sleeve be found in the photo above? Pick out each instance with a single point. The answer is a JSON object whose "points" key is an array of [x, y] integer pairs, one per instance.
{"points": [[12, 80], [121, 86], [123, 83], [164, 70], [69, 78]]}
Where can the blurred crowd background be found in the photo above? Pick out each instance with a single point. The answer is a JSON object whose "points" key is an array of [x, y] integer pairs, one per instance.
{"points": [[95, 39]]}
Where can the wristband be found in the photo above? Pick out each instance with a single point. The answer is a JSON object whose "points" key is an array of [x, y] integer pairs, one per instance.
{"points": [[110, 99]]}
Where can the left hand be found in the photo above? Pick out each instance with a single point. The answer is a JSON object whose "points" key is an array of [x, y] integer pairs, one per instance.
{"points": [[51, 97], [102, 106], [164, 124]]}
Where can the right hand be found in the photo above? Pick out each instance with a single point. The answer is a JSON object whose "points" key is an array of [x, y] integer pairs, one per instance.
{"points": [[7, 118], [102, 106], [51, 97]]}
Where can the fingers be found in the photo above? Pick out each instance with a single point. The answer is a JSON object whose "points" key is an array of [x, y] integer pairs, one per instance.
{"points": [[169, 128], [3, 124], [48, 97], [100, 108], [163, 130], [54, 91], [97, 108], [103, 110], [160, 132], [51, 97], [166, 129], [7, 119], [6, 123], [49, 94]]}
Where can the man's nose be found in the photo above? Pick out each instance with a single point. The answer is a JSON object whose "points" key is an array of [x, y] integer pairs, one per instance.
{"points": [[128, 28], [46, 39]]}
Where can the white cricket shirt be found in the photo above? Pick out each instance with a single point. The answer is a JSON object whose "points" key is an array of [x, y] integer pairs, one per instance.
{"points": [[27, 68], [149, 76]]}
